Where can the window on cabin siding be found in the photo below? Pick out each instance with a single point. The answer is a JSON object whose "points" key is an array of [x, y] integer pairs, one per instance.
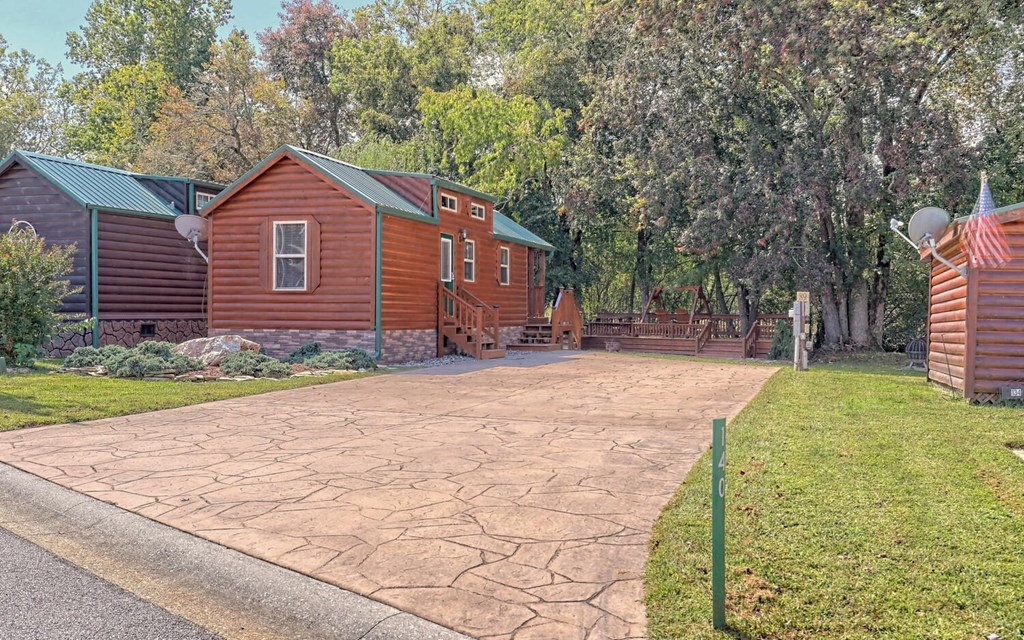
{"points": [[469, 261], [478, 211], [503, 265], [203, 199], [290, 256], [449, 203]]}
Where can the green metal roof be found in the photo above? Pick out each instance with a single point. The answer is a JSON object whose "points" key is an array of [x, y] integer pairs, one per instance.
{"points": [[360, 183], [94, 186], [506, 228], [447, 184]]}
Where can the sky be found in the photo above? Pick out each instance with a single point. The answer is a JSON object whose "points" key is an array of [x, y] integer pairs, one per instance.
{"points": [[41, 26]]}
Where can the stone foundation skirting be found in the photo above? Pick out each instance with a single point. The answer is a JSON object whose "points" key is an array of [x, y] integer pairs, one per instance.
{"points": [[408, 345], [282, 342], [127, 333], [511, 335]]}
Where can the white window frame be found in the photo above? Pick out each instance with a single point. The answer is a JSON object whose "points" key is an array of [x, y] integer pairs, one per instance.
{"points": [[451, 199], [207, 198], [304, 255], [473, 208], [471, 261], [449, 251], [504, 266]]}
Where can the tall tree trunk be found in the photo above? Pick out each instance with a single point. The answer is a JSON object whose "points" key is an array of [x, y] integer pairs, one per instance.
{"points": [[830, 318], [747, 309], [880, 293], [719, 293], [859, 324]]}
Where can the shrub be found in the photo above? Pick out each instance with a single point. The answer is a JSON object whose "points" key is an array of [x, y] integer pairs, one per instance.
{"points": [[304, 352], [782, 342], [26, 354], [143, 360], [351, 359], [33, 283], [257, 365]]}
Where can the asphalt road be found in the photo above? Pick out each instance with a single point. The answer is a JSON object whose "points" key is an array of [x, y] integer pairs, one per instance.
{"points": [[42, 597]]}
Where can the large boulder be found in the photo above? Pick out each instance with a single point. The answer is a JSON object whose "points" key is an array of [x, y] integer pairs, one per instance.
{"points": [[211, 351]]}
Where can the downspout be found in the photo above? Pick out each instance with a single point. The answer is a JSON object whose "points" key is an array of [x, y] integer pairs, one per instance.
{"points": [[377, 268], [94, 274], [190, 193], [433, 196]]}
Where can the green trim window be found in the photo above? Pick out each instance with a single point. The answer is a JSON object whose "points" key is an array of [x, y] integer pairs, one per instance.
{"points": [[504, 260], [469, 261], [290, 248], [449, 203], [478, 211], [203, 199]]}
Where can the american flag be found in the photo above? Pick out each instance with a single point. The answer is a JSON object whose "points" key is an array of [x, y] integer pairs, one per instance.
{"points": [[983, 239]]}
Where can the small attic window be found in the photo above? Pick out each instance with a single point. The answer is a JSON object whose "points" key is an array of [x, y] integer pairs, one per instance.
{"points": [[478, 211], [203, 199], [448, 203]]}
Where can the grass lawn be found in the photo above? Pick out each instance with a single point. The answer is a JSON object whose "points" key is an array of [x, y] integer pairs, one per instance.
{"points": [[39, 397], [861, 503]]}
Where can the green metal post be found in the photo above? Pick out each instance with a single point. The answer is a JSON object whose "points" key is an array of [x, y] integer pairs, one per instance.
{"points": [[94, 274], [718, 523]]}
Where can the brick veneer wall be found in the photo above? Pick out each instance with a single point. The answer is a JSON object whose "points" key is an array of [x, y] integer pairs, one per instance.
{"points": [[126, 333], [408, 345], [281, 342]]}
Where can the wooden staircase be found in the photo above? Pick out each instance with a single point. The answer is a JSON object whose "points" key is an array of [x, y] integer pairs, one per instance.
{"points": [[563, 330], [468, 325]]}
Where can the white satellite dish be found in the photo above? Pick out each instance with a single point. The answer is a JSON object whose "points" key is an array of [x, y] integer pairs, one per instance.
{"points": [[192, 228], [927, 224]]}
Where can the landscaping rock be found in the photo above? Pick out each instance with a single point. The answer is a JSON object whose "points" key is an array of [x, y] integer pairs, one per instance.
{"points": [[211, 351]]}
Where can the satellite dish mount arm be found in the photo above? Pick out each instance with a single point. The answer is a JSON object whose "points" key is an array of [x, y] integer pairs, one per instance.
{"points": [[927, 242]]}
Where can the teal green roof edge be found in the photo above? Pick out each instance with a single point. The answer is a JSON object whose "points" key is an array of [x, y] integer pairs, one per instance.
{"points": [[514, 232], [1008, 208], [446, 183]]}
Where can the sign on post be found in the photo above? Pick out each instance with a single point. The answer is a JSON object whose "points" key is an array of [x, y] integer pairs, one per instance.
{"points": [[718, 523], [801, 314]]}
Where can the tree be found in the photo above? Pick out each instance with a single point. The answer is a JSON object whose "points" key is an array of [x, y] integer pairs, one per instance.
{"points": [[31, 109], [33, 284], [113, 114], [226, 123], [175, 34], [298, 53]]}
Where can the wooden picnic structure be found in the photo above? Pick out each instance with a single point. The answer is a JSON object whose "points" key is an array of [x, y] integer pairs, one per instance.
{"points": [[976, 323]]}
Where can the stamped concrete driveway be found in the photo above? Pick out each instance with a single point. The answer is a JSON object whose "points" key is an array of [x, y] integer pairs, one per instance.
{"points": [[504, 501]]}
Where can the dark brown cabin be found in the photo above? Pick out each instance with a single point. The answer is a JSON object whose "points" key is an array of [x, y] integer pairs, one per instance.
{"points": [[305, 248], [138, 277], [976, 324]]}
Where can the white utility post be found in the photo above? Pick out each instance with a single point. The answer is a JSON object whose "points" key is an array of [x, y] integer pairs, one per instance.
{"points": [[801, 314]]}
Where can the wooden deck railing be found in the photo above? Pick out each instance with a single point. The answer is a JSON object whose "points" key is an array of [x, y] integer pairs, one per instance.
{"points": [[702, 338], [703, 328], [750, 341]]}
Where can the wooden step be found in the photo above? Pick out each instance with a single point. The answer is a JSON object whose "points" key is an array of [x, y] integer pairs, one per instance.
{"points": [[491, 354], [531, 346]]}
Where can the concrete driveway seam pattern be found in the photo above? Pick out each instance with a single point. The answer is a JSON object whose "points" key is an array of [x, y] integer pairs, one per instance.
{"points": [[505, 501]]}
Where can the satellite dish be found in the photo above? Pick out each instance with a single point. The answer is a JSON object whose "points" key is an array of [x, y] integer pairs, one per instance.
{"points": [[193, 228], [926, 224]]}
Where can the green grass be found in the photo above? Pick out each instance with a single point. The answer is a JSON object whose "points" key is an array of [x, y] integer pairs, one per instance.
{"points": [[41, 397], [861, 503]]}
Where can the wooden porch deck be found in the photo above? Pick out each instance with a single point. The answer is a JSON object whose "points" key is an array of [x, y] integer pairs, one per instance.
{"points": [[715, 336]]}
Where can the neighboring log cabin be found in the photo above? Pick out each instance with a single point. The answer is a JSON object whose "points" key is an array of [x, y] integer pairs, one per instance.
{"points": [[136, 275], [407, 266], [976, 324]]}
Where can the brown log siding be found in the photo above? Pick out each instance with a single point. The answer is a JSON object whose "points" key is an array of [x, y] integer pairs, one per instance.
{"points": [[25, 195], [147, 270], [410, 270], [241, 295], [947, 323], [999, 329]]}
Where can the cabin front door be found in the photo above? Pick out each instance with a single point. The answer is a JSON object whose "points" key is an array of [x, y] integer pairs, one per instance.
{"points": [[447, 267]]}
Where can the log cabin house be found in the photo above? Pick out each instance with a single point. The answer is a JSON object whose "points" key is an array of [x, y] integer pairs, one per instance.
{"points": [[138, 277], [407, 266], [976, 324]]}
